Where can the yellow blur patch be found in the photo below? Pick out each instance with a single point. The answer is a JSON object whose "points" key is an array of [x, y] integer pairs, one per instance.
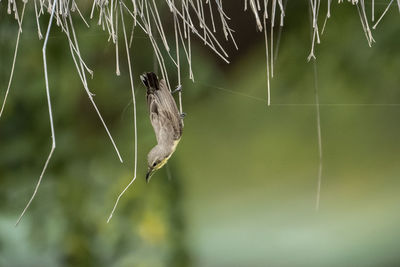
{"points": [[152, 229]]}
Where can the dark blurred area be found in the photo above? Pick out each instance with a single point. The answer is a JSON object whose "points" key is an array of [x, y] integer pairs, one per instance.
{"points": [[240, 190]]}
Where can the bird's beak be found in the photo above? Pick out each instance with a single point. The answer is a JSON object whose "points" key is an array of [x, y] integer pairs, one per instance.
{"points": [[150, 172]]}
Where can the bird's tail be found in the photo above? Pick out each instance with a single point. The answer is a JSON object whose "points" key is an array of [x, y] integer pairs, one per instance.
{"points": [[150, 80]]}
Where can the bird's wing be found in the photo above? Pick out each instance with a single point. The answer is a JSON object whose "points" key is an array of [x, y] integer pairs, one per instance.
{"points": [[153, 104], [162, 121], [169, 111]]}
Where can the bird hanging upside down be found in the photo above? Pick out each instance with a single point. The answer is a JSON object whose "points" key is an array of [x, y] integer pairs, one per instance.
{"points": [[165, 119]]}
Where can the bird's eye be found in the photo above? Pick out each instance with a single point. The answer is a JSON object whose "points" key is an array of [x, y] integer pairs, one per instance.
{"points": [[154, 164]]}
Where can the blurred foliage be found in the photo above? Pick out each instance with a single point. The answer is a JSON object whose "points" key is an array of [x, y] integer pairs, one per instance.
{"points": [[240, 189]]}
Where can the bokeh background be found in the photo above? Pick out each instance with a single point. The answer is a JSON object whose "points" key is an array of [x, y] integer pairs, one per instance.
{"points": [[241, 188]]}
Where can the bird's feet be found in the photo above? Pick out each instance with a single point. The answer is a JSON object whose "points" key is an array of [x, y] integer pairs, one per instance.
{"points": [[183, 115], [177, 89]]}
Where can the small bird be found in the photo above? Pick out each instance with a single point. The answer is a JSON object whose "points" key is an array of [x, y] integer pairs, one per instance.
{"points": [[165, 119]]}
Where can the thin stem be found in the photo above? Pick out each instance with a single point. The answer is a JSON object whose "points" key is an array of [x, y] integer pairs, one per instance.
{"points": [[13, 63], [53, 137], [383, 14], [134, 115], [317, 108]]}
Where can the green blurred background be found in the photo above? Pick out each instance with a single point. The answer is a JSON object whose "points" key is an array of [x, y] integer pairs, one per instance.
{"points": [[241, 188]]}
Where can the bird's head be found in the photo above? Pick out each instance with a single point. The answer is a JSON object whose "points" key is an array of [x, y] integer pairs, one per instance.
{"points": [[155, 160]]}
